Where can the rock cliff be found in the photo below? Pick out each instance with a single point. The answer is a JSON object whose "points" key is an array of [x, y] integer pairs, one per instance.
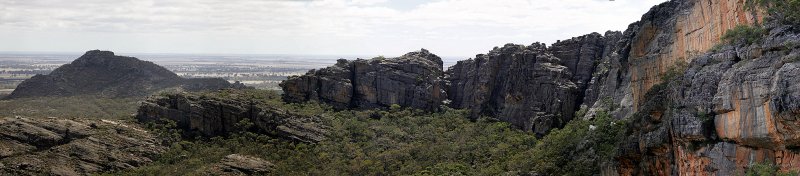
{"points": [[105, 74], [729, 109], [412, 80], [671, 33], [220, 113], [524, 85]]}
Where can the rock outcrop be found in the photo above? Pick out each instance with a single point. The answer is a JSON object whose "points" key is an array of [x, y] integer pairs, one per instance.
{"points": [[669, 34], [729, 109], [524, 85], [105, 74], [412, 80], [219, 113], [51, 146], [733, 106], [236, 164]]}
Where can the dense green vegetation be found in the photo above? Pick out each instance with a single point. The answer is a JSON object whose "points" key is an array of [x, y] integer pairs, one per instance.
{"points": [[766, 169], [400, 142], [746, 34], [580, 148], [70, 107]]}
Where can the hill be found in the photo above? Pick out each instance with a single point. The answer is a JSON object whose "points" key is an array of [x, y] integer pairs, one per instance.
{"points": [[104, 74]]}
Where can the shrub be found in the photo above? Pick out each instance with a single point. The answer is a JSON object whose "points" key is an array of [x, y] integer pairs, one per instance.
{"points": [[580, 148], [674, 72], [767, 169], [746, 34]]}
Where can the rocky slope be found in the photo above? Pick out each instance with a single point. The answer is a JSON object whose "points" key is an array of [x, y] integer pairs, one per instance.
{"points": [[105, 74], [52, 146], [412, 80], [218, 116]]}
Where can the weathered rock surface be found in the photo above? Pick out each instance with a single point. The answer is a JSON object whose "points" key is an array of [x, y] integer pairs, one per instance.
{"points": [[669, 34], [105, 74], [731, 108], [236, 164], [215, 116], [523, 85], [72, 147], [412, 80]]}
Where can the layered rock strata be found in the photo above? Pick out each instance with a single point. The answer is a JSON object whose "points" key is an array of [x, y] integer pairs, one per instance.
{"points": [[218, 116], [53, 146], [412, 80]]}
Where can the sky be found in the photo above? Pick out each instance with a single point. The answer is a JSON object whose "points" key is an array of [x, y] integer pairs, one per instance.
{"points": [[304, 27]]}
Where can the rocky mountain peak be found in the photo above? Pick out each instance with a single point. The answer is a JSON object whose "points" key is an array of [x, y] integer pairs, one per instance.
{"points": [[105, 74]]}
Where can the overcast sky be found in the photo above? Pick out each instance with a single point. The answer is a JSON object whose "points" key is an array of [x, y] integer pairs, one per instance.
{"points": [[327, 27]]}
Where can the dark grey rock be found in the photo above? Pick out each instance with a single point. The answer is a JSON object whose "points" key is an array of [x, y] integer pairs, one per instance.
{"points": [[524, 85], [104, 74], [218, 116], [412, 80]]}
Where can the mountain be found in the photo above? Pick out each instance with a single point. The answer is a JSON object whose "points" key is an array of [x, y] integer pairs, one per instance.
{"points": [[104, 74]]}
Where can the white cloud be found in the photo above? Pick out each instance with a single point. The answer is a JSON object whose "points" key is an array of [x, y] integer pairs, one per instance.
{"points": [[447, 27]]}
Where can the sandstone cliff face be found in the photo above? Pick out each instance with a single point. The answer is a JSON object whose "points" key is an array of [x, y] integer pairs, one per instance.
{"points": [[217, 116], [671, 33], [55, 146], [729, 109], [104, 74], [412, 80]]}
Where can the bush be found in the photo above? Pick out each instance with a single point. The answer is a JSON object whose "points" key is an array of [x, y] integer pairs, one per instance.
{"points": [[766, 169], [580, 148], [674, 72], [745, 34]]}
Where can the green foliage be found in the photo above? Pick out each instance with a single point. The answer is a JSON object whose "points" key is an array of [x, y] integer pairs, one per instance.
{"points": [[397, 141], [786, 11], [608, 102], [716, 47], [581, 112], [674, 72], [580, 148], [767, 169], [165, 130], [746, 34], [401, 142], [70, 107]]}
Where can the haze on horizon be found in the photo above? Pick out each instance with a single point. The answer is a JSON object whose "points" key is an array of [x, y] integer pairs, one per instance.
{"points": [[320, 27]]}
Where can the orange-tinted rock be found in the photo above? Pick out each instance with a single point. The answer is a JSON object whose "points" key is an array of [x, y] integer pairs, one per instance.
{"points": [[694, 28]]}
